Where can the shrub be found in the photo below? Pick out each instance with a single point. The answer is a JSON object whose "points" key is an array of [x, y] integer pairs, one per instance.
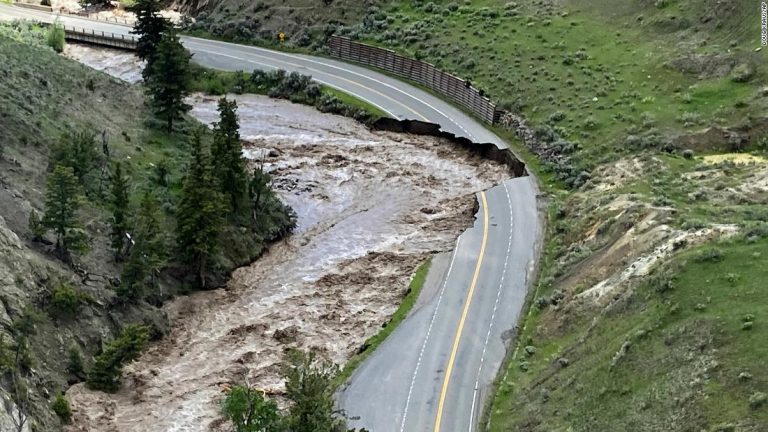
{"points": [[75, 362], [66, 301], [36, 226], [556, 117], [55, 37], [106, 374], [757, 400], [711, 255], [61, 408], [688, 154]]}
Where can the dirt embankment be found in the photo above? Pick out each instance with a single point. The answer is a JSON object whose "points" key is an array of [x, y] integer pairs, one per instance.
{"points": [[371, 205]]}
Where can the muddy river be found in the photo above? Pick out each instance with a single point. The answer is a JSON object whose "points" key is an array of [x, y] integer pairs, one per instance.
{"points": [[371, 207]]}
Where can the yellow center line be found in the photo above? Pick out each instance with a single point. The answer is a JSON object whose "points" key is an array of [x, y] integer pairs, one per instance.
{"points": [[309, 68], [467, 303]]}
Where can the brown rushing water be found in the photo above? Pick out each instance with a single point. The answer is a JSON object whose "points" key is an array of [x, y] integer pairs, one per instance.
{"points": [[371, 206]]}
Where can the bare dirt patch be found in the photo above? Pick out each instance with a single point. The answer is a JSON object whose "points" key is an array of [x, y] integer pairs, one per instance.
{"points": [[371, 205]]}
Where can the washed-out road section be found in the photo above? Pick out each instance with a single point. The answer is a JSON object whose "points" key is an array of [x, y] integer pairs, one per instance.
{"points": [[434, 372]]}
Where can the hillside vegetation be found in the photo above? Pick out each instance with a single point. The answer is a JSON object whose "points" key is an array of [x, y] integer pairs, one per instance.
{"points": [[66, 316], [651, 137]]}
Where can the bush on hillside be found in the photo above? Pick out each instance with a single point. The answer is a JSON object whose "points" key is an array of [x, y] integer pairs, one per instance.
{"points": [[106, 374], [55, 37]]}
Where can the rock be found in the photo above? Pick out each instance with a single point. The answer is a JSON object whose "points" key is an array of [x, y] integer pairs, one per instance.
{"points": [[287, 335], [742, 73]]}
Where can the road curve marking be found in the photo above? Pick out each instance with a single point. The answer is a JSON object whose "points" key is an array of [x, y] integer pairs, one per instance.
{"points": [[301, 66], [495, 309], [426, 336], [464, 313]]}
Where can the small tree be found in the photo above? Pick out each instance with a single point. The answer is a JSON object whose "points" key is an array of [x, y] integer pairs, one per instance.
{"points": [[106, 374], [76, 150], [200, 214], [150, 27], [36, 226], [227, 153], [119, 201], [55, 37], [62, 200], [168, 79], [148, 255], [309, 385], [259, 190], [75, 364], [249, 411], [61, 408], [66, 301]]}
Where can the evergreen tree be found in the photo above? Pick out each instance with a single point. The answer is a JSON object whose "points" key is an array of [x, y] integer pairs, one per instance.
{"points": [[227, 153], [148, 255], [76, 150], [150, 27], [168, 79], [200, 213], [62, 199], [106, 373], [119, 211], [259, 190]]}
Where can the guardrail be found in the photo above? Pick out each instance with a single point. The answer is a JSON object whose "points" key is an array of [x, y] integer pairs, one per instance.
{"points": [[451, 86], [96, 17], [100, 38]]}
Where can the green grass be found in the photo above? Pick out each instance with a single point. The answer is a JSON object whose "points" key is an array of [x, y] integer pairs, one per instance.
{"points": [[687, 351], [414, 289]]}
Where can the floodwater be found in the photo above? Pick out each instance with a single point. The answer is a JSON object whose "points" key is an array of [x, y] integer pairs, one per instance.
{"points": [[371, 206], [118, 63]]}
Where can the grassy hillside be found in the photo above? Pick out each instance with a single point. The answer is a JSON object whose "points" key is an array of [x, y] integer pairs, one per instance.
{"points": [[42, 97], [649, 117]]}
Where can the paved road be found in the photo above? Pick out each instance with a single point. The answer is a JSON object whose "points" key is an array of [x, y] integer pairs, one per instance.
{"points": [[433, 372]]}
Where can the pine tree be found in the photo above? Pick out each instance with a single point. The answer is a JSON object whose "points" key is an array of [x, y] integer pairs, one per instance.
{"points": [[150, 27], [76, 150], [168, 79], [148, 255], [200, 213], [62, 200], [227, 153], [258, 190], [119, 211]]}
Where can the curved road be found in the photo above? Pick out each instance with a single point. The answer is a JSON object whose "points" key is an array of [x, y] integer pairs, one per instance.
{"points": [[433, 373]]}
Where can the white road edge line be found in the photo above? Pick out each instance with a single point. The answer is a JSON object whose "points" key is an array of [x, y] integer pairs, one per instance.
{"points": [[312, 60], [426, 337], [493, 314], [314, 78]]}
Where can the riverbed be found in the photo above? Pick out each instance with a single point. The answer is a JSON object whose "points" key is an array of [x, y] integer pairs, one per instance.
{"points": [[371, 206]]}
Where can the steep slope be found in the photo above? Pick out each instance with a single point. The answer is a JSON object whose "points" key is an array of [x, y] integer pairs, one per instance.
{"points": [[43, 96]]}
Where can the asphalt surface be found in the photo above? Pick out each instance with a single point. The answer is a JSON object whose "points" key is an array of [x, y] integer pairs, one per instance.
{"points": [[433, 373]]}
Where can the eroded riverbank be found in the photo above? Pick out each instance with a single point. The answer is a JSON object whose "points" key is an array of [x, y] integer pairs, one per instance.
{"points": [[371, 206]]}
